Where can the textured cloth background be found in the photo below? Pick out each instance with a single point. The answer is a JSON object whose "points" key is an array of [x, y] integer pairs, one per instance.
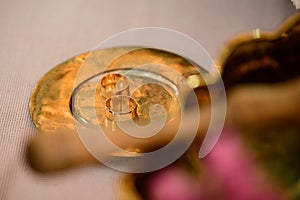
{"points": [[37, 35]]}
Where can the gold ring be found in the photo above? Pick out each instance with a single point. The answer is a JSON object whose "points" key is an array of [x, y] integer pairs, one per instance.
{"points": [[120, 108]]}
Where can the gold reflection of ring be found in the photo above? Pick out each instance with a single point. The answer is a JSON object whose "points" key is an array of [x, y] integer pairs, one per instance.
{"points": [[114, 84], [120, 108]]}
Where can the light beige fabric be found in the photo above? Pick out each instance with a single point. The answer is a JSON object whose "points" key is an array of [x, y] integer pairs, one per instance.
{"points": [[37, 35]]}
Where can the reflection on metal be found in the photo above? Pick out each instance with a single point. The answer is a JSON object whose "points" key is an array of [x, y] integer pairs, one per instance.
{"points": [[194, 81], [256, 33]]}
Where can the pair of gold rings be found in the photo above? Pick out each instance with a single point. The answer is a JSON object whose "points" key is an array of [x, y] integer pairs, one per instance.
{"points": [[119, 106]]}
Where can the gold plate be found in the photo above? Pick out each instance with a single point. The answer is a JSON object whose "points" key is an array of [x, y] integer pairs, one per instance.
{"points": [[50, 100]]}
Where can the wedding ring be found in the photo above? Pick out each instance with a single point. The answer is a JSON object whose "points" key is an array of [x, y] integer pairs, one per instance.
{"points": [[114, 84], [120, 108]]}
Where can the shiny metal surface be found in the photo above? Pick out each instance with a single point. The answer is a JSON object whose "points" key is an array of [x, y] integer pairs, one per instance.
{"points": [[50, 100]]}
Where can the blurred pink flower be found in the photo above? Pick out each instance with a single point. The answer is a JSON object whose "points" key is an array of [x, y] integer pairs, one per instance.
{"points": [[229, 173], [234, 168]]}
